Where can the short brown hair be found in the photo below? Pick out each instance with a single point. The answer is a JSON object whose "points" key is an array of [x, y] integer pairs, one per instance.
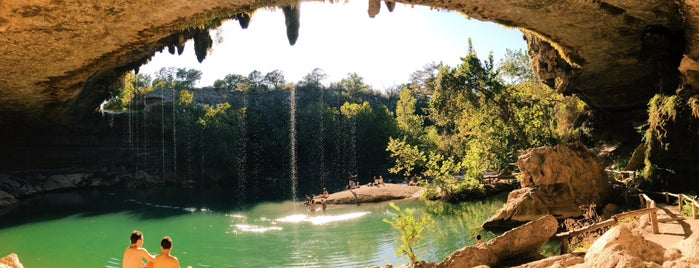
{"points": [[135, 236], [166, 243]]}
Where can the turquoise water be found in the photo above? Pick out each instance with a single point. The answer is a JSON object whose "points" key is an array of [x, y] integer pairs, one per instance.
{"points": [[91, 229]]}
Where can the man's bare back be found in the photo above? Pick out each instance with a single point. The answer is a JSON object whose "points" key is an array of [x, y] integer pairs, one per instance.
{"points": [[165, 260], [134, 256]]}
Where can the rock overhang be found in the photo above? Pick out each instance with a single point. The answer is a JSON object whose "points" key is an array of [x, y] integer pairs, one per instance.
{"points": [[61, 56]]}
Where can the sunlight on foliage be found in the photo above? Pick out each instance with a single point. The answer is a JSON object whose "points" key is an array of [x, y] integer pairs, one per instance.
{"points": [[410, 228], [662, 109]]}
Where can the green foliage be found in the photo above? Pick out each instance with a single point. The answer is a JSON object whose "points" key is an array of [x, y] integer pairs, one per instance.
{"points": [[247, 134], [409, 159], [662, 109], [447, 123], [135, 86], [687, 206], [410, 228], [409, 123], [480, 117], [441, 170], [254, 82]]}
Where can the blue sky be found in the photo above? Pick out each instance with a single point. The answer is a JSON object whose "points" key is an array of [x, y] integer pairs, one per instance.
{"points": [[340, 38]]}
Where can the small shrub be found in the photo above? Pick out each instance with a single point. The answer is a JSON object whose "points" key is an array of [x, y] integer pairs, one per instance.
{"points": [[687, 207], [410, 229]]}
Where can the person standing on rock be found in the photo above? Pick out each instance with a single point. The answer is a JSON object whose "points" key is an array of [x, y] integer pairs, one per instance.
{"points": [[135, 254]]}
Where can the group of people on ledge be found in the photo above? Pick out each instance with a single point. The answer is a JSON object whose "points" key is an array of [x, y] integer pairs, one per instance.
{"points": [[135, 256], [311, 201], [354, 184]]}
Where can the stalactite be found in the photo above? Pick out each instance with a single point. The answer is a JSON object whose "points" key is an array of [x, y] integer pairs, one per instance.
{"points": [[171, 48], [390, 5], [181, 40], [291, 15], [243, 19], [374, 8], [202, 44]]}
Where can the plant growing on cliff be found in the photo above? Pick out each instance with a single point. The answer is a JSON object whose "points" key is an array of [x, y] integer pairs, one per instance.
{"points": [[662, 109], [410, 229]]}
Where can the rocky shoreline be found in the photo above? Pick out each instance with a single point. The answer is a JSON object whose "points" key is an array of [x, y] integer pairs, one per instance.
{"points": [[14, 186]]}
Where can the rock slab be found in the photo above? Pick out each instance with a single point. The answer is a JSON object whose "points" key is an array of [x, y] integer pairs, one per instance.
{"points": [[555, 180], [519, 244]]}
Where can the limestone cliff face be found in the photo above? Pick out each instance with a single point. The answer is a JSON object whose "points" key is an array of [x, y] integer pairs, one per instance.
{"points": [[60, 58]]}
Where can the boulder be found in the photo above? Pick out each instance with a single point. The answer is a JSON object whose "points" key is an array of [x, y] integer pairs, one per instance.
{"points": [[6, 199], [555, 180], [620, 247], [515, 246], [10, 261], [566, 260], [470, 256], [684, 253]]}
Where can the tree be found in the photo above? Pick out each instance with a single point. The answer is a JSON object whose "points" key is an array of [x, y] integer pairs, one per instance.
{"points": [[273, 79], [187, 78], [441, 171], [314, 78], [409, 123], [230, 82], [410, 229], [354, 86], [409, 160]]}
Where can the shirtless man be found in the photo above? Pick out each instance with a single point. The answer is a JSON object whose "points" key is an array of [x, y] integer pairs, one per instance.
{"points": [[135, 254], [164, 259]]}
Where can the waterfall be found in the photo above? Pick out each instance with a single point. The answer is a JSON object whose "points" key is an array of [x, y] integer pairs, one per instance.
{"points": [[353, 144], [145, 135], [321, 146], [162, 129], [174, 131], [242, 154], [292, 137], [130, 139], [320, 139]]}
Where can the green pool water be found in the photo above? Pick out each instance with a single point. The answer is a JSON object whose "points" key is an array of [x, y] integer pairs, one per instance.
{"points": [[92, 228]]}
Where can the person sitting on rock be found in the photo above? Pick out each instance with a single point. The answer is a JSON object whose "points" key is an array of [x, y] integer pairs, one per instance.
{"points": [[325, 193], [164, 259], [135, 254]]}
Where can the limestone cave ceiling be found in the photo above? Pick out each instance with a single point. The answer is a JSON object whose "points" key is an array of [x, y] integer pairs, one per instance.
{"points": [[60, 57]]}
